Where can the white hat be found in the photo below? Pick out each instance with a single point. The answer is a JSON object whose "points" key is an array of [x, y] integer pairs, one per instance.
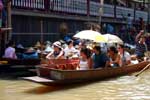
{"points": [[57, 44], [20, 46], [30, 49]]}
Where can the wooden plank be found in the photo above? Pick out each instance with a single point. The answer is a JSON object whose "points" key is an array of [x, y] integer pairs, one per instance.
{"points": [[37, 79]]}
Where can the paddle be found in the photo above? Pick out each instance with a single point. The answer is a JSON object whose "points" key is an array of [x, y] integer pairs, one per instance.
{"points": [[142, 70]]}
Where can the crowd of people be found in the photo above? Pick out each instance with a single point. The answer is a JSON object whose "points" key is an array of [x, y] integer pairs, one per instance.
{"points": [[90, 57]]}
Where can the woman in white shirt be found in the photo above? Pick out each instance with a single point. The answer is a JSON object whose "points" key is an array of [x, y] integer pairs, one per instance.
{"points": [[86, 60], [124, 57], [70, 50], [57, 53]]}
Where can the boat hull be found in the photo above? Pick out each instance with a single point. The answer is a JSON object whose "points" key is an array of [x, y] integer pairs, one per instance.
{"points": [[21, 61], [57, 76]]}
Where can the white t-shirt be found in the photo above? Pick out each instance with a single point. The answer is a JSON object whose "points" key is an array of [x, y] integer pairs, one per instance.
{"points": [[126, 55], [69, 50], [10, 53], [83, 65]]}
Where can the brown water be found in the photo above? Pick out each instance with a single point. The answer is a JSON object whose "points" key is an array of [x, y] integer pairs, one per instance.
{"points": [[121, 88]]}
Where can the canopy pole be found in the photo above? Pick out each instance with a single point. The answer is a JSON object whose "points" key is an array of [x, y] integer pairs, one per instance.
{"points": [[9, 19], [101, 11], [41, 37]]}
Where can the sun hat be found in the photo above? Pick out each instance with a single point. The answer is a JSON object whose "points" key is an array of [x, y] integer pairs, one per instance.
{"points": [[38, 44], [30, 49], [19, 46], [57, 44]]}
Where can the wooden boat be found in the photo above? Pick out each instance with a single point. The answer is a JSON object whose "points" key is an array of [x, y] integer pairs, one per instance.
{"points": [[21, 61], [18, 65], [51, 76]]}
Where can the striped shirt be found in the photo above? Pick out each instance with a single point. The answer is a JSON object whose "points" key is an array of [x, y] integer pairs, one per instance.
{"points": [[140, 48]]}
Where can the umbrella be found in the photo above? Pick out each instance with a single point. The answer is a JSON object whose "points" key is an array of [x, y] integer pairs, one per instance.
{"points": [[90, 35], [112, 38]]}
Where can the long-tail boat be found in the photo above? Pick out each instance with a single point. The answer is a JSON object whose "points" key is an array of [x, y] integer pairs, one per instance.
{"points": [[66, 74], [17, 65], [21, 61]]}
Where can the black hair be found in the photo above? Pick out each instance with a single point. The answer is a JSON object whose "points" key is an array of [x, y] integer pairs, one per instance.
{"points": [[10, 43], [129, 14], [69, 42], [121, 45], [87, 52], [98, 48], [142, 36], [112, 48]]}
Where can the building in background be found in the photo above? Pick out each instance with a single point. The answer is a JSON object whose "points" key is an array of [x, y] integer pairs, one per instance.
{"points": [[36, 18]]}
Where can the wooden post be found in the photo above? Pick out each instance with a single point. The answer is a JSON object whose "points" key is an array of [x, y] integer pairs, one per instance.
{"points": [[115, 5], [88, 10], [101, 11], [9, 20], [47, 5], [148, 12], [41, 38], [144, 4], [41, 31], [134, 11]]}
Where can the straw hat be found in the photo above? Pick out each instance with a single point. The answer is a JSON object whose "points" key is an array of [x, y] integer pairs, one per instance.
{"points": [[38, 44], [19, 46], [57, 44], [48, 43]]}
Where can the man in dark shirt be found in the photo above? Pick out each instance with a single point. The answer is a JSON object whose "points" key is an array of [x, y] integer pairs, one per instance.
{"points": [[100, 59]]}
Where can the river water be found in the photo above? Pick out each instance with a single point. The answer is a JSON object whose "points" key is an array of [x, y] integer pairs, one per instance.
{"points": [[120, 88]]}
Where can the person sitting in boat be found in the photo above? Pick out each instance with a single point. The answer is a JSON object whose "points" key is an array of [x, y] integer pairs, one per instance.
{"points": [[70, 50], [141, 46], [85, 60], [30, 54], [10, 51], [100, 59], [113, 55], [19, 51], [57, 53], [124, 57]]}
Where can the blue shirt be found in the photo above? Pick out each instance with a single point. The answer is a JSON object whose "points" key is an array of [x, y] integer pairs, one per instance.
{"points": [[99, 60], [32, 55]]}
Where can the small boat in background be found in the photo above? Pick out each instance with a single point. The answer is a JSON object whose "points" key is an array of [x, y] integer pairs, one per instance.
{"points": [[21, 61], [17, 65]]}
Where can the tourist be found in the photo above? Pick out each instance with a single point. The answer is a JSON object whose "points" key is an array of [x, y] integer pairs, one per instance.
{"points": [[19, 51], [10, 51], [30, 54], [57, 53], [129, 21], [124, 57], [70, 50], [113, 55], [141, 46], [100, 60], [85, 60]]}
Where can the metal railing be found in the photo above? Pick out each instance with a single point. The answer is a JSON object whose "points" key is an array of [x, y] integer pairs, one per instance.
{"points": [[77, 7], [28, 4]]}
